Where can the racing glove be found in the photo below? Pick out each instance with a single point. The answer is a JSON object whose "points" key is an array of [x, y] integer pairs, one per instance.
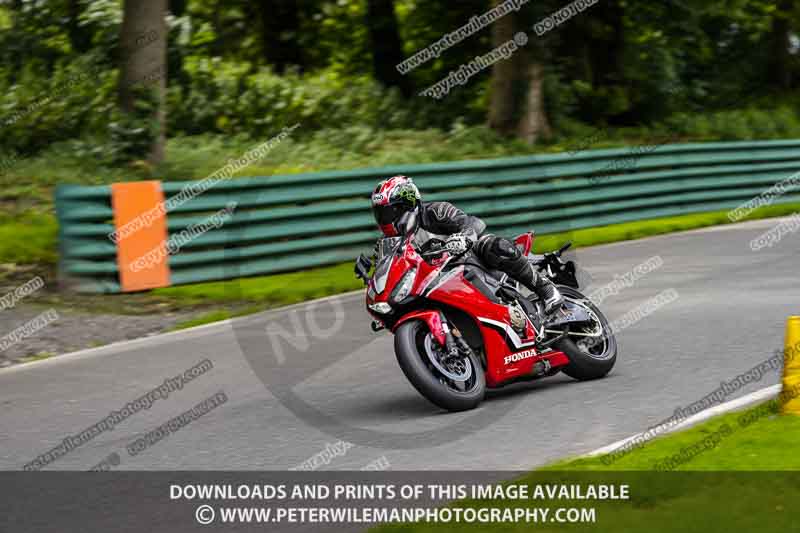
{"points": [[458, 243]]}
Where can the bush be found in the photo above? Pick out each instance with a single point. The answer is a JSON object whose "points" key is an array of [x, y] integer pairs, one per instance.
{"points": [[38, 111], [747, 124], [80, 100], [225, 97]]}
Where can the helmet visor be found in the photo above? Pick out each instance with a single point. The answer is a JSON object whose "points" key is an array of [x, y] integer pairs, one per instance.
{"points": [[389, 214]]}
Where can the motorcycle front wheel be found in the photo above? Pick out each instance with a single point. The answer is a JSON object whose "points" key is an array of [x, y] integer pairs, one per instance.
{"points": [[453, 385]]}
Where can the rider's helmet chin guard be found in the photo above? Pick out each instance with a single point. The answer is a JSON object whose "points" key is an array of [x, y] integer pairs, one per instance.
{"points": [[391, 199]]}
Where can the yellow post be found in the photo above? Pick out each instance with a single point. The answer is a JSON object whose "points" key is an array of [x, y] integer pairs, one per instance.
{"points": [[790, 396]]}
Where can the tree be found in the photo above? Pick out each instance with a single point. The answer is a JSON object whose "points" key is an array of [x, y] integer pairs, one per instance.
{"points": [[780, 74], [517, 105], [143, 72], [79, 38], [501, 104], [387, 48], [17, 58], [177, 7], [280, 31], [534, 123]]}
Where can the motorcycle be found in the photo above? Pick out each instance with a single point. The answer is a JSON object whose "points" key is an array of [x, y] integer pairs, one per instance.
{"points": [[460, 327]]}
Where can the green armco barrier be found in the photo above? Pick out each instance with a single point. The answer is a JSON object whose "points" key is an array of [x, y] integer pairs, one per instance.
{"points": [[297, 221]]}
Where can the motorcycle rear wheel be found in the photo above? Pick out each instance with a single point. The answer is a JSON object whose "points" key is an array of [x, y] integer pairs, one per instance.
{"points": [[583, 364], [436, 387]]}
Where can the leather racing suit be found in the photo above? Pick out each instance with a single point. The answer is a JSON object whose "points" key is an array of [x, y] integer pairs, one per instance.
{"points": [[443, 220]]}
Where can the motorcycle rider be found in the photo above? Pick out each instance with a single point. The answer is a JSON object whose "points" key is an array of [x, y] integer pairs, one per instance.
{"points": [[397, 195]]}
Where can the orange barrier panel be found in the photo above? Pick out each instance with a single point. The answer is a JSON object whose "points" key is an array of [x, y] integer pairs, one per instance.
{"points": [[141, 230]]}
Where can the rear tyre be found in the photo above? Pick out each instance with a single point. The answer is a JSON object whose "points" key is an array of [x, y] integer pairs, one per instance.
{"points": [[412, 355], [594, 361]]}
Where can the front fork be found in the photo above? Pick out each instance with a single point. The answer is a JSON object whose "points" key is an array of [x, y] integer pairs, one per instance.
{"points": [[446, 336]]}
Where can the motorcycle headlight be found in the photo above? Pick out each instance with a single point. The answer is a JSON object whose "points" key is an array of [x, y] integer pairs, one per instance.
{"points": [[404, 287], [381, 308]]}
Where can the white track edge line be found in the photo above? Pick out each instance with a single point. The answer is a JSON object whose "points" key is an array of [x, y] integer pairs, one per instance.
{"points": [[738, 403], [160, 337]]}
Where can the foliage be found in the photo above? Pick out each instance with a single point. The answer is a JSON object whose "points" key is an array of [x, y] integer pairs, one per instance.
{"points": [[228, 97], [629, 64], [28, 240]]}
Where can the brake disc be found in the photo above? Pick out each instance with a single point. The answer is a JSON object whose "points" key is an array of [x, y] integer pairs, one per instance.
{"points": [[449, 373]]}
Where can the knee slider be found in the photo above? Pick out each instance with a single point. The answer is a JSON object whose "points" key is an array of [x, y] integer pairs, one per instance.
{"points": [[500, 253], [506, 249]]}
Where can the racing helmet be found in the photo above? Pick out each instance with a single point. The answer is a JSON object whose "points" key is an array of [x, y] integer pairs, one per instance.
{"points": [[391, 199]]}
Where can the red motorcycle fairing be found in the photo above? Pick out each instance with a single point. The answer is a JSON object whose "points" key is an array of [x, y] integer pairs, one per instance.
{"points": [[398, 268], [525, 242], [432, 318], [508, 356]]}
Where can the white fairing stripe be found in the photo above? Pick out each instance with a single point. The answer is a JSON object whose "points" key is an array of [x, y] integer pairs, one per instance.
{"points": [[518, 344]]}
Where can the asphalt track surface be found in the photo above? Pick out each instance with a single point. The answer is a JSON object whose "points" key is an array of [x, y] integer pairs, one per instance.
{"points": [[332, 379]]}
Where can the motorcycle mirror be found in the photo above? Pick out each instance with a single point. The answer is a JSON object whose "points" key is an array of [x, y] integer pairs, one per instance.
{"points": [[362, 267]]}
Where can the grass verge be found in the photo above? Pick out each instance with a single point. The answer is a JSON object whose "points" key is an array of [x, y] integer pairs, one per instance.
{"points": [[740, 483], [657, 226], [755, 439], [29, 239], [270, 291]]}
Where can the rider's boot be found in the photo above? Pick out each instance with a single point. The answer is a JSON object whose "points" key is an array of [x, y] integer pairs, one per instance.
{"points": [[543, 288], [504, 255]]}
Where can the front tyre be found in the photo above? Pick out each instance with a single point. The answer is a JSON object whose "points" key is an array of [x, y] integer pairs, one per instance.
{"points": [[455, 387], [596, 358]]}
